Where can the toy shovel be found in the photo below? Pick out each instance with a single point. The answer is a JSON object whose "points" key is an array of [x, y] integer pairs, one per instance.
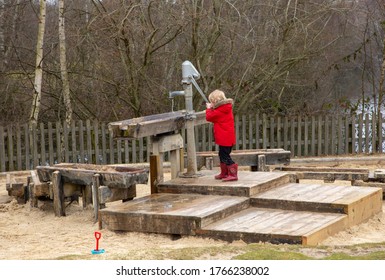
{"points": [[98, 235]]}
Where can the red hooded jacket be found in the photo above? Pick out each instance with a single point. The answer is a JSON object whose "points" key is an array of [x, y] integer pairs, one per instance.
{"points": [[221, 115]]}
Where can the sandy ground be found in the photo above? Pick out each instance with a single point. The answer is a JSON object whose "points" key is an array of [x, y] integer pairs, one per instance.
{"points": [[35, 233]]}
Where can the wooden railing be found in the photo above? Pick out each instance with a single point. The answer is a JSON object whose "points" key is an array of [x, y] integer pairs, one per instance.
{"points": [[23, 147]]}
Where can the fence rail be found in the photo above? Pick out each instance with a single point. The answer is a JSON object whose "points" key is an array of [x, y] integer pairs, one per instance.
{"points": [[23, 147]]}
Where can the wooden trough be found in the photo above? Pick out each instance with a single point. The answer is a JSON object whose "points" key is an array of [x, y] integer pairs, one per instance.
{"points": [[97, 184], [257, 159], [154, 124]]}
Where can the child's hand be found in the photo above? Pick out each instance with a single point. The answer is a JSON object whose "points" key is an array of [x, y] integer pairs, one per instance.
{"points": [[208, 105]]}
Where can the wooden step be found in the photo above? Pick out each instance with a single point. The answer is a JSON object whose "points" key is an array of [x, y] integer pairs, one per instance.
{"points": [[359, 203], [276, 226], [248, 184], [170, 213]]}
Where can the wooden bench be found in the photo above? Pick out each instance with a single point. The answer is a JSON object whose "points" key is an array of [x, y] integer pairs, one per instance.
{"points": [[257, 159]]}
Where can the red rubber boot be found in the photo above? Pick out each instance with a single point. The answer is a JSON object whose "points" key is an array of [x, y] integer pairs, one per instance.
{"points": [[223, 173], [233, 173]]}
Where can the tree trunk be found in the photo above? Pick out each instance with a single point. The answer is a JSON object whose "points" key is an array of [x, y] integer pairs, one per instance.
{"points": [[39, 65], [381, 90], [63, 65], [2, 40]]}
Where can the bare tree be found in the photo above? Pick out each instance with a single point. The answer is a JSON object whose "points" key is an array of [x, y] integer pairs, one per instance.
{"points": [[2, 40], [63, 64], [35, 108]]}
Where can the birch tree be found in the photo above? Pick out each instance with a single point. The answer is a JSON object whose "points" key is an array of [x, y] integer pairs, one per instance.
{"points": [[63, 65], [39, 65]]}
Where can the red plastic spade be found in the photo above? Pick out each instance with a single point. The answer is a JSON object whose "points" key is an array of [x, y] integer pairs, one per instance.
{"points": [[98, 235]]}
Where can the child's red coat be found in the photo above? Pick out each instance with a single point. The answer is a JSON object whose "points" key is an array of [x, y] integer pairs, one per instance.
{"points": [[223, 119]]}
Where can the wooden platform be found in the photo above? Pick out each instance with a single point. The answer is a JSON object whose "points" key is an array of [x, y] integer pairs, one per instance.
{"points": [[260, 206], [250, 183]]}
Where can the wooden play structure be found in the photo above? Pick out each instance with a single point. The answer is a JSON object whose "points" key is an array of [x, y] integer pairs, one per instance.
{"points": [[269, 203], [266, 205]]}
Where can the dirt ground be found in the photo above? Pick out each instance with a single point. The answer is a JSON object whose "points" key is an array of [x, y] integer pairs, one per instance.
{"points": [[35, 233]]}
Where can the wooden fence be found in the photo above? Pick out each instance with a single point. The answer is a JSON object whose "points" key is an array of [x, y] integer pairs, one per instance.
{"points": [[23, 147]]}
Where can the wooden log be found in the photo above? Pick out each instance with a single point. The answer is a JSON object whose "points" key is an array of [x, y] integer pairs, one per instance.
{"points": [[58, 194]]}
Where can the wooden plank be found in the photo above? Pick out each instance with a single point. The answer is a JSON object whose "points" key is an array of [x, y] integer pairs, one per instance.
{"points": [[339, 134], [89, 142], [333, 136], [107, 194], [373, 129], [59, 157], [119, 150], [155, 170], [66, 144], [96, 142], [257, 131], [18, 149], [50, 144], [111, 148], [2, 150], [285, 133], [279, 132], [306, 136], [11, 166], [313, 136], [326, 133], [292, 136], [127, 153], [33, 142], [323, 169], [379, 129], [264, 131], [244, 142], [251, 140], [272, 133], [104, 143], [299, 136], [360, 132], [43, 158], [367, 133], [74, 145], [319, 134], [81, 141]]}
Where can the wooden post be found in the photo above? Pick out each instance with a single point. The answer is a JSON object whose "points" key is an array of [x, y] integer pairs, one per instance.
{"points": [[262, 163], [95, 195], [181, 160], [175, 165], [154, 172], [58, 194]]}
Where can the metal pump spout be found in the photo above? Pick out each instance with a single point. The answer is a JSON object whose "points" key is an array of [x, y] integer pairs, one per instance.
{"points": [[172, 94]]}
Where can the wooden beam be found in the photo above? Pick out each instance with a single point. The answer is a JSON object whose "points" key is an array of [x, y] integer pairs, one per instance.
{"points": [[154, 173]]}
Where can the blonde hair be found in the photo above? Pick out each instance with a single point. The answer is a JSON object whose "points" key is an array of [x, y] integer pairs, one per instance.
{"points": [[216, 96]]}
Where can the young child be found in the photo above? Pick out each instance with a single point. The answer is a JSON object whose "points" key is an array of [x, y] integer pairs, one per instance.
{"points": [[220, 112]]}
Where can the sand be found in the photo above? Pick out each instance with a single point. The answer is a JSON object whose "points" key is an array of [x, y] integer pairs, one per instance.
{"points": [[35, 233]]}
